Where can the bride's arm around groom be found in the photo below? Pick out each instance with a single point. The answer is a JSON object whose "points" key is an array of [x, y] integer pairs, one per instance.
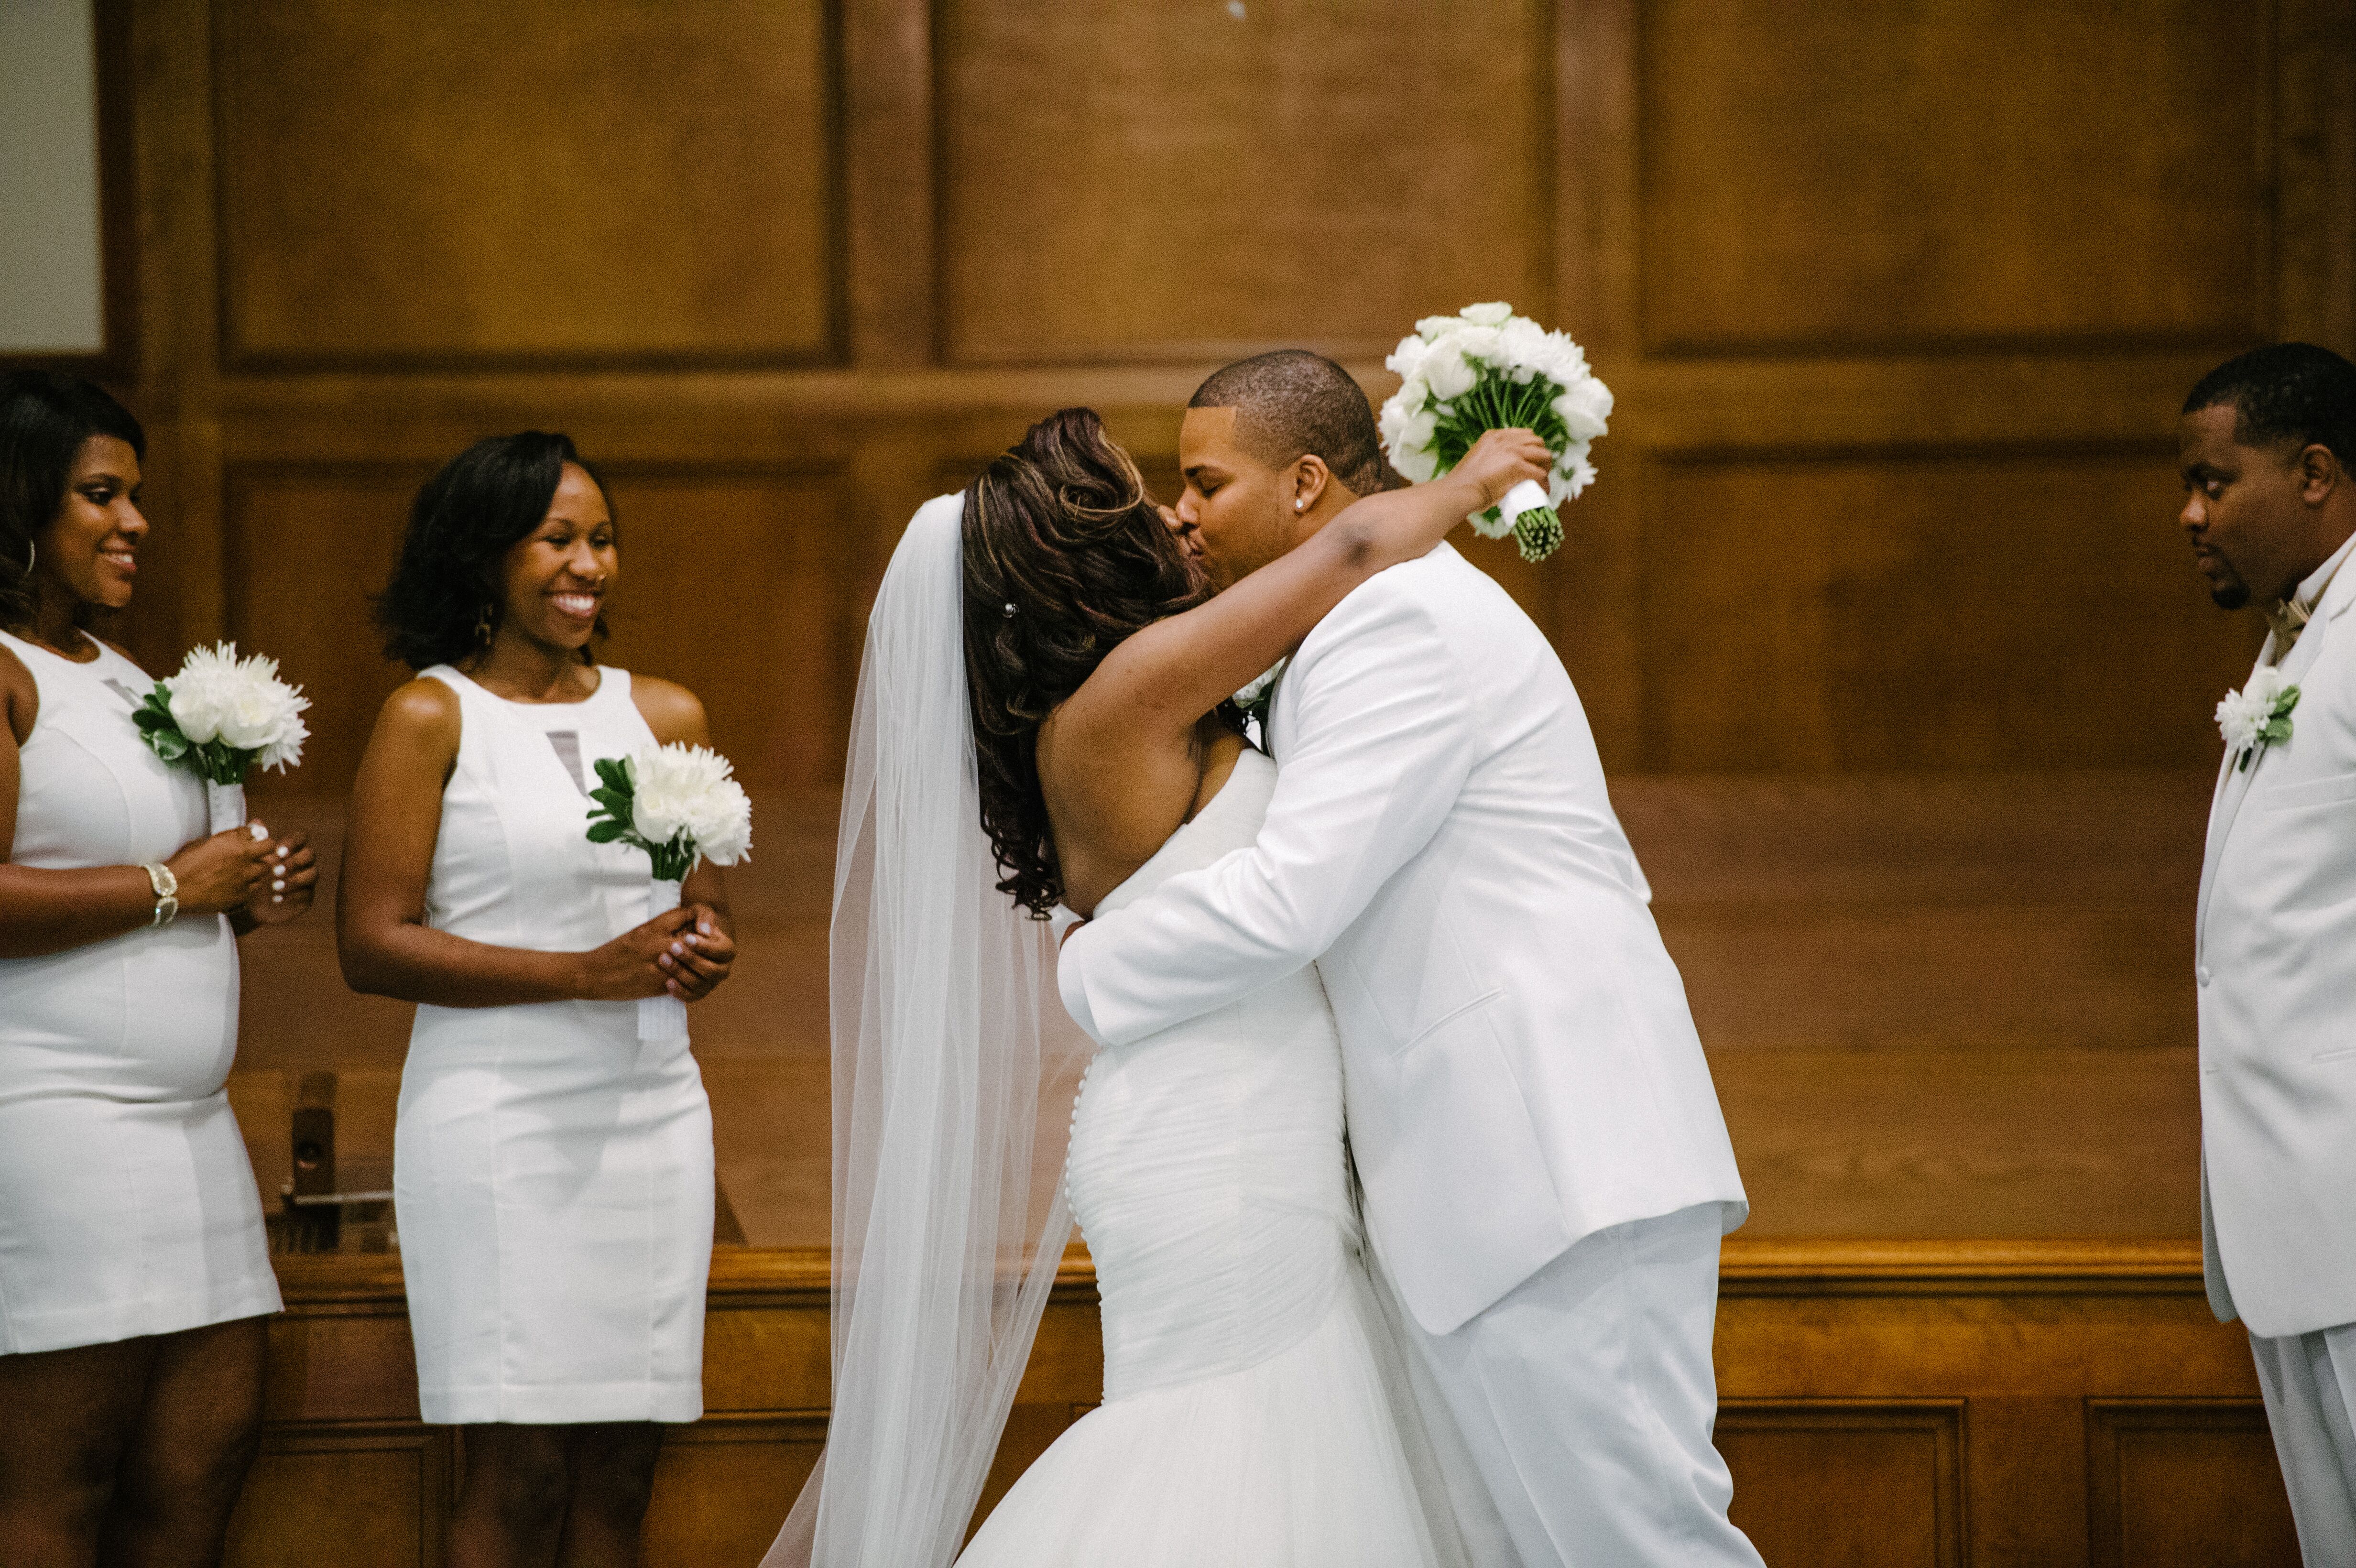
{"points": [[1546, 1170]]}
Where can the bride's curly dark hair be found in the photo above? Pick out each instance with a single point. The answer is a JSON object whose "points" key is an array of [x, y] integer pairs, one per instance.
{"points": [[1065, 557]]}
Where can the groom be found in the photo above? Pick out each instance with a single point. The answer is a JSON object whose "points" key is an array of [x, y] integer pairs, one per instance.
{"points": [[1545, 1171]]}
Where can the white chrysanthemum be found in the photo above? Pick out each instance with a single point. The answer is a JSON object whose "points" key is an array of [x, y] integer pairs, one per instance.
{"points": [[241, 703], [1493, 312], [1432, 328], [2243, 714], [678, 789]]}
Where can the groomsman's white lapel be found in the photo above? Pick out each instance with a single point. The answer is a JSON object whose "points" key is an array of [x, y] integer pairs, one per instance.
{"points": [[2233, 784]]}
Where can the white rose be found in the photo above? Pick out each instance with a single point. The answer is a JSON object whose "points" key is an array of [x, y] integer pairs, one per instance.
{"points": [[1407, 358], [1484, 344], [1432, 328], [1585, 406], [1448, 373], [1525, 344], [1496, 313]]}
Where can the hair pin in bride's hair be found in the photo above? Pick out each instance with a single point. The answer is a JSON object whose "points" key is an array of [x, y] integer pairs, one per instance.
{"points": [[1009, 609]]}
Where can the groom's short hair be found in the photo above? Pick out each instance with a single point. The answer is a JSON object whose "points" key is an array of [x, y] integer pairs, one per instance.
{"points": [[2286, 392], [1293, 402]]}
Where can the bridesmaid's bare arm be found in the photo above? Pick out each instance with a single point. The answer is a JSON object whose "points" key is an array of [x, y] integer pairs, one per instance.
{"points": [[381, 938], [44, 910]]}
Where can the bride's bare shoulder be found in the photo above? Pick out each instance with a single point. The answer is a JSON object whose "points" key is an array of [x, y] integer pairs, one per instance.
{"points": [[1109, 809]]}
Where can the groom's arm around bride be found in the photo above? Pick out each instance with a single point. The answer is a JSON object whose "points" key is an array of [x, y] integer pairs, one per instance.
{"points": [[1546, 1169]]}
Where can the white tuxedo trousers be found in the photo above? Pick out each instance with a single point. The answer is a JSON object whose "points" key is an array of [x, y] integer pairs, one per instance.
{"points": [[1586, 1398], [2311, 1387]]}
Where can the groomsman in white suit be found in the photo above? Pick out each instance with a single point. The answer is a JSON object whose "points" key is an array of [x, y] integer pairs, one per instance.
{"points": [[2270, 503], [1545, 1171]]}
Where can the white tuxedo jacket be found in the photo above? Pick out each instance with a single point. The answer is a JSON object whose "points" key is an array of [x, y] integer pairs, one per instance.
{"points": [[2275, 960], [1521, 1063]]}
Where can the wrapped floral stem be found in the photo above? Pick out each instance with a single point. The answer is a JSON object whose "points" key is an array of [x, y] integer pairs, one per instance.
{"points": [[680, 805], [219, 718]]}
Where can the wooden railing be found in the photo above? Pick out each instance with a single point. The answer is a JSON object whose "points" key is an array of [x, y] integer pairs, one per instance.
{"points": [[1937, 1403]]}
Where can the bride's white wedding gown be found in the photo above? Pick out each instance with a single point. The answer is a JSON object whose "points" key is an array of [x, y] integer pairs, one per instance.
{"points": [[1256, 1409]]}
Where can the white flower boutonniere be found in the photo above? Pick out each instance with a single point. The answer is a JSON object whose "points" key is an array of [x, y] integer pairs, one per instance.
{"points": [[1254, 699], [2258, 715]]}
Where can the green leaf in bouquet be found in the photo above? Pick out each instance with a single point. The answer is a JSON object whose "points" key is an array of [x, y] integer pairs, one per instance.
{"points": [[613, 775], [168, 744], [614, 800], [607, 832]]}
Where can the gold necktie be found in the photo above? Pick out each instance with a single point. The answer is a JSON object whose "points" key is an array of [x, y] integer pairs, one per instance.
{"points": [[2289, 618]]}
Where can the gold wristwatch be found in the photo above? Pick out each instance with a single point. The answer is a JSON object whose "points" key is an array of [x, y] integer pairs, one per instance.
{"points": [[167, 891]]}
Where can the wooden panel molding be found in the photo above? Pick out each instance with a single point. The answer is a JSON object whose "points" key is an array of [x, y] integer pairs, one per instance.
{"points": [[1940, 608], [1885, 1479], [526, 183], [1885, 1403], [380, 1491], [2185, 1483], [2067, 178], [1139, 183], [753, 559]]}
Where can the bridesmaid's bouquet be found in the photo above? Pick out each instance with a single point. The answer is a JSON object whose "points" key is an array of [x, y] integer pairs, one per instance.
{"points": [[680, 805], [1487, 369], [221, 716]]}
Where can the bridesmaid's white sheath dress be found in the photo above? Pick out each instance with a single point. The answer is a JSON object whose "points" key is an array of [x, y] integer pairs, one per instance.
{"points": [[127, 1205], [1256, 1414], [552, 1174]]}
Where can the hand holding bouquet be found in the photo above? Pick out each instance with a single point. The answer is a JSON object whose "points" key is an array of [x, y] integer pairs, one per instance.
{"points": [[1487, 369], [681, 806], [221, 716]]}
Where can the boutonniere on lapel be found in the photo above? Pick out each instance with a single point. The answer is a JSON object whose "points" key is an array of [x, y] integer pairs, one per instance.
{"points": [[1254, 699], [2258, 715]]}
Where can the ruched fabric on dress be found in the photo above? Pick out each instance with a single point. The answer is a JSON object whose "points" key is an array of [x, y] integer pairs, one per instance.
{"points": [[127, 1203], [1255, 1413]]}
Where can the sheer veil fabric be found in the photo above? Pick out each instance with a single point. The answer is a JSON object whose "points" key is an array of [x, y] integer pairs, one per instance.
{"points": [[954, 1071]]}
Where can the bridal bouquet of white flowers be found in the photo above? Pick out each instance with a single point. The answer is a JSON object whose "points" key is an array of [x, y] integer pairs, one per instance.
{"points": [[1487, 369], [221, 716], [680, 805]]}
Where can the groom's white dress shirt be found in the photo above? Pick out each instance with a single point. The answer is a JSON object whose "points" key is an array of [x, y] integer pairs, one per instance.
{"points": [[2275, 963], [1522, 1066]]}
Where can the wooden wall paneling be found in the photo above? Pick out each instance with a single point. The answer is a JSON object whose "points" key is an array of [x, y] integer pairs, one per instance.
{"points": [[737, 584], [2314, 162], [2185, 1483], [307, 545], [1884, 1480], [528, 183], [2067, 175], [724, 1485], [1891, 610], [1136, 184], [374, 1496], [888, 188]]}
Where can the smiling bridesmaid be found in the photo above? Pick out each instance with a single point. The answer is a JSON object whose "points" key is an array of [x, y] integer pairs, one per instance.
{"points": [[552, 1174], [134, 1271]]}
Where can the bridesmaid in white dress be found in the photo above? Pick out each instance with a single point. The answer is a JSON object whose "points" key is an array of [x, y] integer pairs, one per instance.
{"points": [[134, 1271], [552, 1174]]}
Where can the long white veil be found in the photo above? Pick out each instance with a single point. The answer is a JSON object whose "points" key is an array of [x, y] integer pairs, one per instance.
{"points": [[951, 1102]]}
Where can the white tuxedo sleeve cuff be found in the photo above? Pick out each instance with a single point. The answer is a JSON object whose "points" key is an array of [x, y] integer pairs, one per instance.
{"points": [[1070, 961]]}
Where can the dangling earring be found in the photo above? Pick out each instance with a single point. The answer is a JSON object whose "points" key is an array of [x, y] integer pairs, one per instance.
{"points": [[483, 627], [32, 554]]}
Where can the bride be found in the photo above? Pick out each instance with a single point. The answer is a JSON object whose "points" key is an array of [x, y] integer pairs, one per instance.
{"points": [[1043, 719]]}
